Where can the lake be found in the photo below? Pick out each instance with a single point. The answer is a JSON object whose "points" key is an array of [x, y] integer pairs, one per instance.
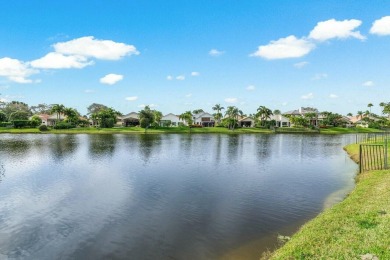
{"points": [[172, 196]]}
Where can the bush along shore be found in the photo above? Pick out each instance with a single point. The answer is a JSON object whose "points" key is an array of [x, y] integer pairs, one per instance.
{"points": [[184, 129], [356, 228]]}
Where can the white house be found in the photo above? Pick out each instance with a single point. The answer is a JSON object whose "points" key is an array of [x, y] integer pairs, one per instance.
{"points": [[280, 121], [171, 120], [204, 119], [302, 111]]}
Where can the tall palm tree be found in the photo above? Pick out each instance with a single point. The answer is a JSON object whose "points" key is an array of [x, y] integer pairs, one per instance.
{"points": [[218, 115], [232, 114], [370, 105], [264, 113], [59, 109], [71, 114], [382, 105], [349, 114]]}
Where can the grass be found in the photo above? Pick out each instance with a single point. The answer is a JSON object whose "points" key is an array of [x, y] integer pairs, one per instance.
{"points": [[161, 130], [357, 226]]}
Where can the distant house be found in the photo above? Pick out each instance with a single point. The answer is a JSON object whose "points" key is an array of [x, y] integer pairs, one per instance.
{"points": [[131, 119], [204, 119], [362, 121], [171, 120], [302, 111], [50, 120], [280, 121], [246, 122]]}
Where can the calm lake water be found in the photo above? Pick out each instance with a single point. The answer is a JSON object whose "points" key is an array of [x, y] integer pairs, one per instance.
{"points": [[163, 196]]}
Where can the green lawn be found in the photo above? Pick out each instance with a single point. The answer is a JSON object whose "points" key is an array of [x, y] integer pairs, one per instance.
{"points": [[357, 226], [135, 130]]}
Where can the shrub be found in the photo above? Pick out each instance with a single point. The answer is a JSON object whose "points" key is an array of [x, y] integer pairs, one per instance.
{"points": [[21, 123], [35, 121], [63, 125], [6, 124], [43, 128]]}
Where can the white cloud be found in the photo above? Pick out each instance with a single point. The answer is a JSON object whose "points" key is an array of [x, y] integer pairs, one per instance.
{"points": [[250, 88], [336, 29], [54, 60], [333, 96], [308, 96], [189, 95], [381, 26], [181, 77], [111, 79], [284, 104], [151, 106], [319, 76], [89, 91], [88, 46], [16, 70], [195, 73], [4, 100], [169, 77], [215, 53], [368, 83], [289, 47], [301, 64], [231, 100], [134, 98]]}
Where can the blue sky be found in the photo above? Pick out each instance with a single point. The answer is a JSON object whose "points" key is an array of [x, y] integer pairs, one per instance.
{"points": [[184, 55]]}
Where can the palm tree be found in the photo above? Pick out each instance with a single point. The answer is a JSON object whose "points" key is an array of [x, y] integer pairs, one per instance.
{"points": [[59, 109], [369, 106], [146, 117], [187, 117], [264, 113], [232, 114], [218, 115], [382, 105], [277, 112], [349, 114], [71, 114]]}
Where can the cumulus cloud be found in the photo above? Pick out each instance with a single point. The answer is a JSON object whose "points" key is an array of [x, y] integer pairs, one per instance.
{"points": [[231, 100], [336, 29], [169, 77], [381, 27], [319, 76], [368, 83], [215, 53], [181, 77], [333, 96], [250, 88], [308, 96], [111, 79], [54, 60], [195, 73], [16, 70], [134, 98], [289, 47], [301, 64], [88, 46]]}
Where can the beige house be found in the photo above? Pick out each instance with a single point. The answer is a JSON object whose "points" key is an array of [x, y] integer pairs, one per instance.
{"points": [[50, 120]]}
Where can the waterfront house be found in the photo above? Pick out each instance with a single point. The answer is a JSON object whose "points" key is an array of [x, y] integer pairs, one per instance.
{"points": [[246, 122], [50, 120], [280, 121], [171, 120], [303, 111], [131, 119], [204, 119]]}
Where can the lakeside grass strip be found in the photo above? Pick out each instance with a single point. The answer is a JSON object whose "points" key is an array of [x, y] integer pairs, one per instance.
{"points": [[357, 226], [176, 130]]}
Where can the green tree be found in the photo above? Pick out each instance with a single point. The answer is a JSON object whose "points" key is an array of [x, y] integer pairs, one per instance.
{"points": [[370, 105], [15, 106], [41, 109], [58, 109], [35, 121], [18, 115], [232, 113], [106, 118], [3, 116], [72, 116], [264, 113], [312, 116], [277, 112], [197, 111], [188, 118], [157, 117], [146, 117], [95, 108], [360, 114], [349, 114], [218, 114]]}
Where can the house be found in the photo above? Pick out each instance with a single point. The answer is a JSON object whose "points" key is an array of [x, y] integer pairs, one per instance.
{"points": [[204, 119], [280, 121], [302, 111], [131, 119], [50, 120], [246, 122], [171, 120], [362, 121]]}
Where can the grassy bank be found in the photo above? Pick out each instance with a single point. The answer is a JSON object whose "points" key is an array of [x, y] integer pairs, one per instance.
{"points": [[357, 226], [161, 130]]}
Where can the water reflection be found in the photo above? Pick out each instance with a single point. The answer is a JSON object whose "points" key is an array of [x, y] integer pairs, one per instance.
{"points": [[162, 196]]}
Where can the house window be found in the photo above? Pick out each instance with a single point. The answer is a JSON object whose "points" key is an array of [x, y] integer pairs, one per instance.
{"points": [[206, 119]]}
